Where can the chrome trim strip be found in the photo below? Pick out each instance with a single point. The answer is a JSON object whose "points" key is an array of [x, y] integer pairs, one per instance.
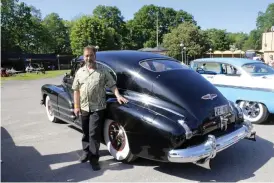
{"points": [[69, 122], [209, 148], [64, 108], [70, 116]]}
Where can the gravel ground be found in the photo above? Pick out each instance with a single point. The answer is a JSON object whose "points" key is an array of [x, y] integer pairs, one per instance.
{"points": [[33, 149]]}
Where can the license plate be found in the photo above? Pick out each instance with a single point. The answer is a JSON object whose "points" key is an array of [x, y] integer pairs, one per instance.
{"points": [[221, 110]]}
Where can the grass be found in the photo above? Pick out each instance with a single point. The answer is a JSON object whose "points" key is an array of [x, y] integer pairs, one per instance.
{"points": [[34, 76]]}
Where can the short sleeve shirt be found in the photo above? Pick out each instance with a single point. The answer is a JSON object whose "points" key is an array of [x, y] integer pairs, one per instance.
{"points": [[92, 85]]}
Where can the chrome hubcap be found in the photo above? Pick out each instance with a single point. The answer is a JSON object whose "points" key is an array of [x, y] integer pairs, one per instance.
{"points": [[251, 109], [116, 136]]}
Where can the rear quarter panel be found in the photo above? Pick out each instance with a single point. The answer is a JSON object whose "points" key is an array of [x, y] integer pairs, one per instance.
{"points": [[148, 134]]}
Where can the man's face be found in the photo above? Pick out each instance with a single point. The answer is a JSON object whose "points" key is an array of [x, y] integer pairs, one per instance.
{"points": [[89, 57]]}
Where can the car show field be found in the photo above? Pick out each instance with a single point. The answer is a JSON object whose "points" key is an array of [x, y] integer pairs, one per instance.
{"points": [[34, 149]]}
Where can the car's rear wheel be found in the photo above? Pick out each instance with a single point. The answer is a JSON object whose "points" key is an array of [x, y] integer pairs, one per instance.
{"points": [[117, 142], [49, 110], [255, 112]]}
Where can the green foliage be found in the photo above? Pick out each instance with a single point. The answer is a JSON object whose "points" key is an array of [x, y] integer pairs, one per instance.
{"points": [[264, 22], [90, 30], [58, 34], [192, 37], [253, 41], [145, 23], [218, 39], [24, 30], [237, 40], [112, 18]]}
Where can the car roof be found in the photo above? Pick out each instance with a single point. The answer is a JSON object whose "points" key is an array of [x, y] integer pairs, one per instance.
{"points": [[125, 56], [233, 61]]}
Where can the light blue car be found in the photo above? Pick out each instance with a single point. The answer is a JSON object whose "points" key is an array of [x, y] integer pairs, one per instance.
{"points": [[248, 83]]}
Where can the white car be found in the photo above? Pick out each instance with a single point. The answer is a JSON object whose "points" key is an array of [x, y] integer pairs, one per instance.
{"points": [[248, 83]]}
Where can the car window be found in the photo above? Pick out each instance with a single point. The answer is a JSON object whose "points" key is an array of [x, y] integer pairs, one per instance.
{"points": [[228, 69], [112, 73], [76, 67], [258, 69], [212, 67], [161, 65]]}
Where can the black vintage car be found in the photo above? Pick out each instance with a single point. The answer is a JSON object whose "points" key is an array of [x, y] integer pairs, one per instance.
{"points": [[173, 113]]}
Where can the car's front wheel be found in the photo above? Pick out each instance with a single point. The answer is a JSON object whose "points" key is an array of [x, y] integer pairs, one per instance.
{"points": [[255, 112], [117, 142], [49, 110]]}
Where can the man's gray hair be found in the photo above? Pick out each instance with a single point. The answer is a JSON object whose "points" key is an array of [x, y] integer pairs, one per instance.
{"points": [[90, 47]]}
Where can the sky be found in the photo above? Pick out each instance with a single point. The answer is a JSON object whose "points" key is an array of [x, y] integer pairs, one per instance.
{"points": [[232, 15]]}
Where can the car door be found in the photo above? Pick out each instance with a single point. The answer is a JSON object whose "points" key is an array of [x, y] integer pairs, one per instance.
{"points": [[65, 99], [68, 79], [229, 76]]}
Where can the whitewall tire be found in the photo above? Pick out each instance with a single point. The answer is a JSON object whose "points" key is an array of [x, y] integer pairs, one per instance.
{"points": [[49, 110], [255, 112], [117, 142]]}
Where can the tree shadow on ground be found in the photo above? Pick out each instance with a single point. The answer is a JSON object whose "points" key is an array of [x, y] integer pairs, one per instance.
{"points": [[26, 164]]}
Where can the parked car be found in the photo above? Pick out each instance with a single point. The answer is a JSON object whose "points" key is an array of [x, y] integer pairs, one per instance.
{"points": [[248, 83], [173, 113]]}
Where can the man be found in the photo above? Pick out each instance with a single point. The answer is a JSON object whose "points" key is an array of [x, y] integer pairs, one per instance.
{"points": [[262, 58], [90, 103]]}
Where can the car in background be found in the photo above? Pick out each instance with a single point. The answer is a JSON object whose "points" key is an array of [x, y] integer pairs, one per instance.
{"points": [[248, 83], [173, 113]]}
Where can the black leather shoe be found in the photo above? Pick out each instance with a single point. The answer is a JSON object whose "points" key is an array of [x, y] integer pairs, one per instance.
{"points": [[84, 158], [95, 166]]}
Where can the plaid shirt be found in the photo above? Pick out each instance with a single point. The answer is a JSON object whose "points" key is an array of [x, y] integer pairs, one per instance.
{"points": [[91, 85]]}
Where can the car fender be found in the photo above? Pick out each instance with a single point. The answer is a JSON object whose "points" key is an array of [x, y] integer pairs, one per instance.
{"points": [[237, 94], [144, 128]]}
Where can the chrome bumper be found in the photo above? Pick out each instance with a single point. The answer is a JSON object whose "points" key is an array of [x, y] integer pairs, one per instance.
{"points": [[211, 147]]}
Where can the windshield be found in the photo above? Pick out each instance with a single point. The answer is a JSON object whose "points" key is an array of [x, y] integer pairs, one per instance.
{"points": [[258, 69], [162, 65]]}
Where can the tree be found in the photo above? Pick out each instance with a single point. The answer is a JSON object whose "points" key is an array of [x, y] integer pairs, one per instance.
{"points": [[90, 30], [266, 20], [237, 40], [112, 18], [58, 40], [10, 23], [145, 23], [218, 39], [21, 28], [253, 41], [193, 38]]}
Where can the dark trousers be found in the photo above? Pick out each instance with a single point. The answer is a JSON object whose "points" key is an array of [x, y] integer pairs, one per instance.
{"points": [[92, 127]]}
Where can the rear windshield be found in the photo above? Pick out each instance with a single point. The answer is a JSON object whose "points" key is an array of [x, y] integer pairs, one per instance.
{"points": [[162, 65]]}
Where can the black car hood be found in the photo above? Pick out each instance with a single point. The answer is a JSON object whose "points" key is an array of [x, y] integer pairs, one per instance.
{"points": [[185, 88]]}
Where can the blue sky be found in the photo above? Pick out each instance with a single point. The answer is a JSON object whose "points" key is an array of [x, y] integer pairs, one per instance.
{"points": [[232, 15]]}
